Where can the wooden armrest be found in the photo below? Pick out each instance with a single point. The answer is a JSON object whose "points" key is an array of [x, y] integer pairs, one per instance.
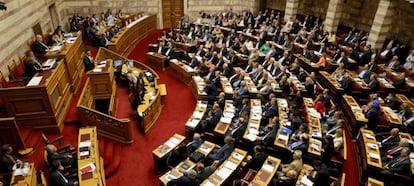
{"points": [[58, 139], [402, 176]]}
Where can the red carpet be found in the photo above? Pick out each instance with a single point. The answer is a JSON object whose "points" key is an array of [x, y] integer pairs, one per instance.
{"points": [[136, 159]]}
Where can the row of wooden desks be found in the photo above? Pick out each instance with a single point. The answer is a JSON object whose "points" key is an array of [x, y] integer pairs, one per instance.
{"points": [[356, 117], [181, 71], [90, 163], [228, 113], [331, 83], [226, 169], [161, 152], [198, 88], [266, 173], [206, 148], [253, 125], [196, 117]]}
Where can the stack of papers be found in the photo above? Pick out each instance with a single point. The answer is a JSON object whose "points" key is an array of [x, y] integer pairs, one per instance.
{"points": [[224, 173], [35, 81]]}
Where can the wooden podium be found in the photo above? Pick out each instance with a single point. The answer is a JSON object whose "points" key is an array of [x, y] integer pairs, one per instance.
{"points": [[156, 60]]}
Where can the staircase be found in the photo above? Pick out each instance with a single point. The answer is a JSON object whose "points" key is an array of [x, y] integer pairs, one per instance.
{"points": [[111, 153]]}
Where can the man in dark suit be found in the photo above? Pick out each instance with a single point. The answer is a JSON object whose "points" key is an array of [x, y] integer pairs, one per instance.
{"points": [[322, 174], [390, 141], [288, 180], [371, 113], [39, 47], [7, 161], [373, 83], [203, 172], [193, 145], [56, 178], [400, 165], [53, 155], [88, 61], [188, 179], [256, 161], [394, 64], [104, 41], [221, 154], [238, 131]]}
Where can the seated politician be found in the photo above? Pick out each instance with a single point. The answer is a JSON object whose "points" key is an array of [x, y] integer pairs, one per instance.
{"points": [[7, 161], [56, 178], [64, 159], [31, 65], [88, 61], [189, 178], [39, 46], [221, 154]]}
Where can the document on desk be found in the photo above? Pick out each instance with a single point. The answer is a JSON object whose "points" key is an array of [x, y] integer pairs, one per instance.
{"points": [[91, 167], [230, 165], [35, 81], [56, 48], [85, 144], [224, 173], [306, 181], [268, 167]]}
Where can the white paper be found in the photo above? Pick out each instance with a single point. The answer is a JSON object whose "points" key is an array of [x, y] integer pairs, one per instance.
{"points": [[305, 181], [224, 173], [85, 144], [230, 165], [174, 140], [237, 156], [251, 137], [283, 137], [373, 155], [208, 183], [268, 167], [170, 144], [225, 120], [35, 81]]}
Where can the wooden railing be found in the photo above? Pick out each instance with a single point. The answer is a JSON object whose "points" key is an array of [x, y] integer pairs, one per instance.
{"points": [[109, 127], [117, 130]]}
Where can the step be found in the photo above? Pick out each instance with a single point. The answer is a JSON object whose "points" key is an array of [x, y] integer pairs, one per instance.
{"points": [[115, 161]]}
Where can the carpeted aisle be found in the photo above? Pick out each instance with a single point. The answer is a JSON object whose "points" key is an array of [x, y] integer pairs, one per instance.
{"points": [[137, 163]]}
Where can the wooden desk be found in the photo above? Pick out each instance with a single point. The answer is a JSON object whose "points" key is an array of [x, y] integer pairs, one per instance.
{"points": [[356, 117], [198, 88], [307, 64], [252, 129], [206, 148], [329, 82], [195, 119], [251, 87], [72, 54], [43, 106], [226, 169], [404, 99], [156, 60], [369, 153], [228, 113], [227, 88], [88, 139], [282, 138], [101, 79], [392, 117], [305, 168], [297, 85], [374, 182], [181, 71], [125, 40], [161, 151], [266, 173], [25, 176], [385, 85], [177, 171]]}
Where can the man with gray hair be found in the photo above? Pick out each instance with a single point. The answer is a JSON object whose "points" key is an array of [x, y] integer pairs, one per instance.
{"points": [[295, 165], [193, 145], [188, 179]]}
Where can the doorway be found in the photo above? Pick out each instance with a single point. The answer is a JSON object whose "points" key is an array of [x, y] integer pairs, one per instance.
{"points": [[172, 12]]}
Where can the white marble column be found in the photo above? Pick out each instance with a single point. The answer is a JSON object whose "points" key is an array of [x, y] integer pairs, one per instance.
{"points": [[291, 9], [382, 23], [333, 15]]}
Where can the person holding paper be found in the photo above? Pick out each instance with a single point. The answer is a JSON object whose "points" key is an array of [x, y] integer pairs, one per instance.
{"points": [[56, 178], [88, 61]]}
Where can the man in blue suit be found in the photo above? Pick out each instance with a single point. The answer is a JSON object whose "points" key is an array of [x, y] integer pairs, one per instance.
{"points": [[219, 155], [188, 179], [193, 145]]}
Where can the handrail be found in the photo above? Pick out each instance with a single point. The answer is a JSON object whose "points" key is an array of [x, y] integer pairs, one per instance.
{"points": [[117, 130]]}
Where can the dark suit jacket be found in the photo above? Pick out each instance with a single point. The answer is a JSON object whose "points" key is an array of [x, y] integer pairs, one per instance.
{"points": [[193, 145], [64, 160], [257, 161], [373, 85], [56, 180], [222, 153], [184, 181], [88, 63], [322, 177], [238, 134], [39, 48], [400, 166], [31, 69], [6, 165], [390, 143]]}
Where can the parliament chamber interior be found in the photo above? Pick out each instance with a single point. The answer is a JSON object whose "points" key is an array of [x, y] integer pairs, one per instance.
{"points": [[207, 92]]}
